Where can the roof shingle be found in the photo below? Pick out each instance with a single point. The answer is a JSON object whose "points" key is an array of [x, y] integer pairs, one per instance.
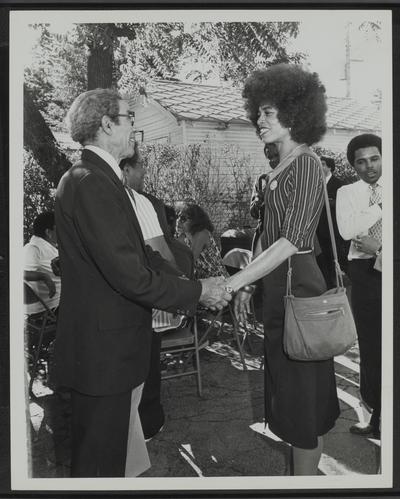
{"points": [[206, 102]]}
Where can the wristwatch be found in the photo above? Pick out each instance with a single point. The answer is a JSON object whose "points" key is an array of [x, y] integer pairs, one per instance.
{"points": [[229, 290]]}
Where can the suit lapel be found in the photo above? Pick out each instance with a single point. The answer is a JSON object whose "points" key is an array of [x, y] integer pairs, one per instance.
{"points": [[99, 164]]}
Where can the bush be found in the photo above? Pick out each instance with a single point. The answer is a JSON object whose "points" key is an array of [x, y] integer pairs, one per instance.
{"points": [[38, 193], [343, 171], [218, 179]]}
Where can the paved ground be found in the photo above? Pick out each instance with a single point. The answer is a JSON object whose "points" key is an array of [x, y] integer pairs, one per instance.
{"points": [[221, 433]]}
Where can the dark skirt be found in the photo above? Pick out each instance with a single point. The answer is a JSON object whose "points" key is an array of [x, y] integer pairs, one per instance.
{"points": [[300, 397]]}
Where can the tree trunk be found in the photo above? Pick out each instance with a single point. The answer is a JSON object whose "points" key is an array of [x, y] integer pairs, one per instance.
{"points": [[100, 67], [39, 139]]}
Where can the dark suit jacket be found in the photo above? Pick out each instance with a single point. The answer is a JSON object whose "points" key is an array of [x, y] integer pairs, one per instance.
{"points": [[110, 282], [323, 229]]}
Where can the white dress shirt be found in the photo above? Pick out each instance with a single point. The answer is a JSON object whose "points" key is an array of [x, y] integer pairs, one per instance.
{"points": [[108, 158], [354, 215], [148, 221], [146, 214], [38, 256]]}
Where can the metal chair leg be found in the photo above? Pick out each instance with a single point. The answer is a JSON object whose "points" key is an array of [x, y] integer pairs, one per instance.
{"points": [[37, 355], [196, 343], [236, 335]]}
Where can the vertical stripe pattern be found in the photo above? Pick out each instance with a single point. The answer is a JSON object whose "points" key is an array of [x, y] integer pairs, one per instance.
{"points": [[293, 208]]}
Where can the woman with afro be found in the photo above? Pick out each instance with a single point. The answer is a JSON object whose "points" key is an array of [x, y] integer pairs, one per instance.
{"points": [[286, 104]]}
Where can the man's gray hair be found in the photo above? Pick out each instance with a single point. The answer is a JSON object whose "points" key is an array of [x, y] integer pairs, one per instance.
{"points": [[87, 110]]}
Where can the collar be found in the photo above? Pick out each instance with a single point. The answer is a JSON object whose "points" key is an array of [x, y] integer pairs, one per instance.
{"points": [[328, 177], [40, 241], [379, 183], [106, 156]]}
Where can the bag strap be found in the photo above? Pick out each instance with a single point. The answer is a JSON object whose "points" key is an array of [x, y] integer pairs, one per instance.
{"points": [[301, 149], [338, 270]]}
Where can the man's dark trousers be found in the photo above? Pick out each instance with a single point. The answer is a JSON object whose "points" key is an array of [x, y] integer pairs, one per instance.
{"points": [[94, 419], [366, 299], [150, 409]]}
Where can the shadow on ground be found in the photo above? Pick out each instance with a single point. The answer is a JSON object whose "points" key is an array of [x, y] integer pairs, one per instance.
{"points": [[221, 433]]}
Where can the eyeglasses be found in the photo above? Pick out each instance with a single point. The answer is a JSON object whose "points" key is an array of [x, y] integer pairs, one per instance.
{"points": [[130, 115]]}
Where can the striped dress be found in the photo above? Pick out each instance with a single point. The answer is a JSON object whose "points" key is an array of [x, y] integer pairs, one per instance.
{"points": [[300, 397]]}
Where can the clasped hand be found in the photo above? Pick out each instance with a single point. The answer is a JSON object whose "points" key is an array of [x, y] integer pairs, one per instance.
{"points": [[214, 295], [366, 244]]}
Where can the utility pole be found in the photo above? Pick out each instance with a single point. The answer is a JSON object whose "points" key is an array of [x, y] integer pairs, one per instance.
{"points": [[347, 66], [349, 60]]}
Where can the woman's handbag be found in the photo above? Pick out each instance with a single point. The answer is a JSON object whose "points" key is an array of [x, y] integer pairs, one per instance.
{"points": [[318, 327]]}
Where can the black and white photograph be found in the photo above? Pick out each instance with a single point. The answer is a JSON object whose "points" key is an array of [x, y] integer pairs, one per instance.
{"points": [[201, 249]]}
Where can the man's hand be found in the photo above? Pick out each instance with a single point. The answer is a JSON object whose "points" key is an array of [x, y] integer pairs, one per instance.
{"points": [[367, 244], [50, 284], [213, 294], [55, 266]]}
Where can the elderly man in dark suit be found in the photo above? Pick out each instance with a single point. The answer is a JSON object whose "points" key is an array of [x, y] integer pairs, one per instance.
{"points": [[111, 282]]}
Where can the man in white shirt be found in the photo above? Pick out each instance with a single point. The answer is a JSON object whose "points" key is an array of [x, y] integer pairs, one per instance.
{"points": [[359, 218], [150, 212], [39, 253]]}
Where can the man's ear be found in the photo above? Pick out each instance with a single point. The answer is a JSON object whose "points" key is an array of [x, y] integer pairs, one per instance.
{"points": [[106, 124]]}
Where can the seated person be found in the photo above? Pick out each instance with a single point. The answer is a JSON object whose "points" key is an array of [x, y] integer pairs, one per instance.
{"points": [[198, 229], [38, 271], [182, 253]]}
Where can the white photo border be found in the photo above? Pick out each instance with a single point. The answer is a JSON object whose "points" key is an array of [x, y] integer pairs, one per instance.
{"points": [[19, 20]]}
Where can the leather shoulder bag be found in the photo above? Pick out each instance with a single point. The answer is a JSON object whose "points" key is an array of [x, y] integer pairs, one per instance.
{"points": [[318, 327]]}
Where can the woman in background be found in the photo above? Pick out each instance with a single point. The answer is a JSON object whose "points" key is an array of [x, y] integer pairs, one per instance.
{"points": [[198, 229]]}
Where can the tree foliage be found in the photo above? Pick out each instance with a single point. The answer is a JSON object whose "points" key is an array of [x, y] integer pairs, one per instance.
{"points": [[218, 179], [38, 193], [343, 170], [237, 48], [40, 141], [57, 72]]}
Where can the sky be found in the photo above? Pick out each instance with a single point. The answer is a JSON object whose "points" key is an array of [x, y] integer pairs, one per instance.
{"points": [[325, 45]]}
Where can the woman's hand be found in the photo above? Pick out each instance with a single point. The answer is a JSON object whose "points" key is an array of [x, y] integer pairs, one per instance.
{"points": [[50, 284], [241, 305]]}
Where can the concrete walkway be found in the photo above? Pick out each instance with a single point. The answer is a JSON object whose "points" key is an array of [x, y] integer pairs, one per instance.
{"points": [[221, 433]]}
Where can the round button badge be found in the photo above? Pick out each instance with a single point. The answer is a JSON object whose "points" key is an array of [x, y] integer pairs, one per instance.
{"points": [[273, 185]]}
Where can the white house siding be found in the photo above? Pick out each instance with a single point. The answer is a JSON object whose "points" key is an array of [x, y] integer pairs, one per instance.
{"points": [[337, 139], [158, 124]]}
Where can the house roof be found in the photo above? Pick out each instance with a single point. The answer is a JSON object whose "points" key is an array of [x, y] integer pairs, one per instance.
{"points": [[208, 103]]}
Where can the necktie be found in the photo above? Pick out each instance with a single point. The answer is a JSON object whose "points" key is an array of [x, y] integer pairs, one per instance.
{"points": [[131, 194], [375, 230]]}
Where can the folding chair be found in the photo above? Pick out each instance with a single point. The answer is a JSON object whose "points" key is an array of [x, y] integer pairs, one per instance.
{"points": [[235, 260], [182, 340], [37, 326]]}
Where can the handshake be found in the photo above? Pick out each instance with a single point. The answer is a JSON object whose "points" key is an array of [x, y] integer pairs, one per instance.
{"points": [[214, 294]]}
